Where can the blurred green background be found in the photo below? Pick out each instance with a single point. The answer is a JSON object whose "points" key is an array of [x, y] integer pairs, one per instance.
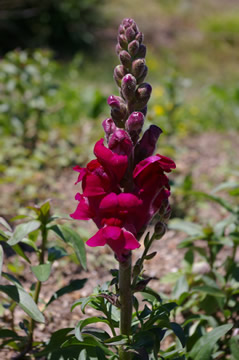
{"points": [[57, 61]]}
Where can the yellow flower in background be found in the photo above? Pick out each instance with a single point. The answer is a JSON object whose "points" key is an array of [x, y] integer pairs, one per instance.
{"points": [[158, 109], [158, 91], [152, 63]]}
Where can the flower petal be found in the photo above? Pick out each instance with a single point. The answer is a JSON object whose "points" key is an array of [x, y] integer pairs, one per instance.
{"points": [[97, 240], [83, 211], [131, 242], [114, 164]]}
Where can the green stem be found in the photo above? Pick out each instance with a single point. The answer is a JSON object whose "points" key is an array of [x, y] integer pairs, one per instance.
{"points": [[126, 303], [38, 285], [141, 260]]}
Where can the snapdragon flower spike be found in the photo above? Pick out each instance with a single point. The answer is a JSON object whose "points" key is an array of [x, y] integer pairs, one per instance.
{"points": [[125, 185]]}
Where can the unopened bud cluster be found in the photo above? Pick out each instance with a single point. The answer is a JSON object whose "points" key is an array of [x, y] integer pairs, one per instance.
{"points": [[128, 109]]}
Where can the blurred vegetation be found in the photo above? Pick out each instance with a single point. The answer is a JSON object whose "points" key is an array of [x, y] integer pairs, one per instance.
{"points": [[63, 25], [51, 109]]}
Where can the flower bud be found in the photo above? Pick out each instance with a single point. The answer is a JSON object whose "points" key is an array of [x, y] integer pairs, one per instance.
{"points": [[120, 142], [125, 59], [167, 214], [142, 51], [128, 87], [118, 49], [114, 101], [127, 22], [121, 29], [142, 95], [130, 34], [147, 144], [159, 230], [109, 127], [123, 41], [138, 67], [135, 122], [133, 47], [119, 73], [140, 37], [118, 110], [141, 78]]}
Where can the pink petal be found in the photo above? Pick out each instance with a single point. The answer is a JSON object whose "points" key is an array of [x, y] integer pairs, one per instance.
{"points": [[109, 202], [97, 240], [83, 211], [112, 233], [93, 186], [131, 242], [166, 163], [114, 164], [82, 172], [127, 201]]}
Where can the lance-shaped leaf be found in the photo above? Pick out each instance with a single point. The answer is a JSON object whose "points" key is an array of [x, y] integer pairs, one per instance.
{"points": [[74, 285], [4, 223], [82, 323], [186, 226], [23, 230], [72, 238], [24, 300], [203, 348]]}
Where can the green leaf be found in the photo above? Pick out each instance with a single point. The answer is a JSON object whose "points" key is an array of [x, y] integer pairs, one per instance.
{"points": [[45, 208], [1, 259], [73, 238], [203, 348], [17, 248], [234, 347], [24, 300], [190, 228], [226, 185], [81, 324], [55, 253], [150, 256], [178, 331], [209, 290], [4, 223], [74, 285], [180, 287], [56, 340], [226, 205], [3, 235], [42, 271], [23, 230], [117, 340], [6, 333], [31, 243]]}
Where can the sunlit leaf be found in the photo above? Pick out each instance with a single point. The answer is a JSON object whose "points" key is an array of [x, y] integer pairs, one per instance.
{"points": [[23, 230], [190, 228], [4, 223], [24, 300], [42, 271]]}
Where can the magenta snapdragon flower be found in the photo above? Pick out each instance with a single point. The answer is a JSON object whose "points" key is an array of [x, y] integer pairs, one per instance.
{"points": [[126, 185]]}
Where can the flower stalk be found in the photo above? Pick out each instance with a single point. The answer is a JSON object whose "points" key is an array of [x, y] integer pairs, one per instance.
{"points": [[126, 302]]}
